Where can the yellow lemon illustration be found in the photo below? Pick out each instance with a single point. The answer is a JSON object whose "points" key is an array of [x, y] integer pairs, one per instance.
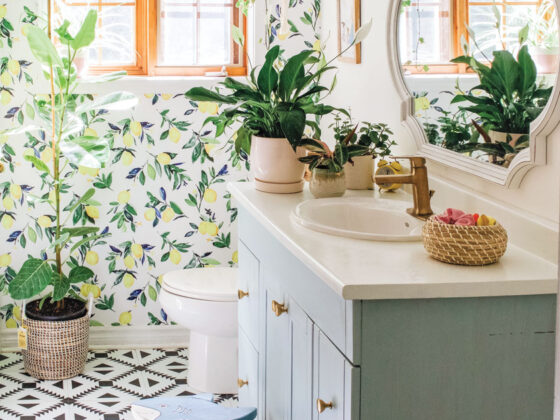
{"points": [[212, 229], [52, 197], [283, 36], [421, 104], [175, 256], [174, 135], [209, 147], [164, 159], [123, 197], [5, 79], [3, 11], [235, 257], [160, 279], [5, 260], [7, 221], [208, 107], [129, 262], [168, 215], [85, 289], [210, 196], [95, 291], [137, 250], [128, 280], [17, 312], [88, 171], [92, 212], [44, 221], [90, 132], [203, 228], [135, 128], [8, 203], [125, 318], [317, 45], [150, 215], [92, 258], [4, 138], [148, 95], [15, 191], [127, 158], [14, 67], [11, 323], [47, 155], [128, 140], [5, 97], [166, 96]]}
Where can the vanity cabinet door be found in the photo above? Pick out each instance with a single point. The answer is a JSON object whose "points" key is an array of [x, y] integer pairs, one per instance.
{"points": [[335, 383], [248, 382], [248, 293], [278, 372]]}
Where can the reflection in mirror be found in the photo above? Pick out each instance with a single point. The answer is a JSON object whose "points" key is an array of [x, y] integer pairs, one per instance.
{"points": [[479, 71]]}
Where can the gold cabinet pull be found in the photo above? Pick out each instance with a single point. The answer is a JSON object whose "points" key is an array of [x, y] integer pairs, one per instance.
{"points": [[322, 405], [278, 308], [241, 383], [241, 294]]}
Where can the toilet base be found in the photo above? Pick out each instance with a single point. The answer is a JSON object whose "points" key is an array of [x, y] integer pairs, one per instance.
{"points": [[213, 364]]}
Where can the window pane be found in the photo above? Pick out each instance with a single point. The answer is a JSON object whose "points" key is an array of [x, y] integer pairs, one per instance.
{"points": [[116, 32], [195, 33]]}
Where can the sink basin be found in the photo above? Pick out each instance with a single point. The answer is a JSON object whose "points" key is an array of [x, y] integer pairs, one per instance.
{"points": [[360, 218]]}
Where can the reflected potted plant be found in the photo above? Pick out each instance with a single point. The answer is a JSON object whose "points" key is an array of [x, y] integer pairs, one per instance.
{"points": [[327, 166], [376, 141], [542, 36], [273, 108], [55, 326]]}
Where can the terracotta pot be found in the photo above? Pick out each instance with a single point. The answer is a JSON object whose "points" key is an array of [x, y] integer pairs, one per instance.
{"points": [[81, 61], [325, 184], [275, 166], [360, 175], [546, 60]]}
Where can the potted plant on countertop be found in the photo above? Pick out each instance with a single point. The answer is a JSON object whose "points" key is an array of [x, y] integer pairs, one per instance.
{"points": [[376, 141], [327, 166], [543, 38], [274, 107], [55, 326]]}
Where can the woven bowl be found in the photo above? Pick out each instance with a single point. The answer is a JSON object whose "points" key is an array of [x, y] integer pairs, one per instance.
{"points": [[464, 245]]}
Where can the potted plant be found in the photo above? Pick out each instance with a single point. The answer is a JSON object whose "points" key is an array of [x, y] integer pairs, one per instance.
{"points": [[512, 97], [542, 31], [376, 141], [327, 166], [273, 108], [56, 324]]}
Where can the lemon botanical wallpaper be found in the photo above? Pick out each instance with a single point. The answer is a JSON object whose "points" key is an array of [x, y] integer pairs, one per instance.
{"points": [[162, 202]]}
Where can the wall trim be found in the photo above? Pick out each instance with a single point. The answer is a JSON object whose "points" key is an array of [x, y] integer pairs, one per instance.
{"points": [[134, 337]]}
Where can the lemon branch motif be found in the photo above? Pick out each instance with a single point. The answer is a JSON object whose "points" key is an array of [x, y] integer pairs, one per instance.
{"points": [[62, 115]]}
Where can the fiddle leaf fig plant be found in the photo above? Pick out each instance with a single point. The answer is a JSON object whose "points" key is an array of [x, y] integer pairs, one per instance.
{"points": [[72, 146], [278, 100]]}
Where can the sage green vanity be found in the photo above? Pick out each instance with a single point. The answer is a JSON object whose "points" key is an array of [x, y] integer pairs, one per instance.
{"points": [[393, 335]]}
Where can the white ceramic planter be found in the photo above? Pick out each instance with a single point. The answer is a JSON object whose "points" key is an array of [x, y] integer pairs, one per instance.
{"points": [[360, 175], [546, 59], [275, 166], [498, 136], [325, 184]]}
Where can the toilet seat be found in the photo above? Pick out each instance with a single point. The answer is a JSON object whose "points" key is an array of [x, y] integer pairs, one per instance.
{"points": [[212, 284]]}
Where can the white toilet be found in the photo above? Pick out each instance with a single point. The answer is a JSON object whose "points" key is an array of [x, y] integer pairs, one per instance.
{"points": [[204, 300]]}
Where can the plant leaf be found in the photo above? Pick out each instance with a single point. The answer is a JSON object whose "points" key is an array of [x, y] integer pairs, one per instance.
{"points": [[42, 47], [116, 101], [61, 285], [292, 73], [200, 94], [80, 274], [39, 164], [80, 231], [292, 122], [86, 34], [33, 277], [90, 152], [268, 77]]}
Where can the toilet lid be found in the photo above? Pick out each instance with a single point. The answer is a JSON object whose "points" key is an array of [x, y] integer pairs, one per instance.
{"points": [[215, 284]]}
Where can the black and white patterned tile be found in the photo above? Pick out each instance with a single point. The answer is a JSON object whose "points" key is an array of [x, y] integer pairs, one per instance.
{"points": [[111, 382]]}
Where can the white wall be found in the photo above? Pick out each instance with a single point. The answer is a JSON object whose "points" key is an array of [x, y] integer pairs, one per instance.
{"points": [[369, 89]]}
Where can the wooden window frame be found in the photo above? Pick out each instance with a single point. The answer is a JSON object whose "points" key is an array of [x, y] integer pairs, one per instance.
{"points": [[460, 19], [147, 45]]}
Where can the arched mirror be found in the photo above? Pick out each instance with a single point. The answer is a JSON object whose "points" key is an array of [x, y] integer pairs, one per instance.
{"points": [[478, 80]]}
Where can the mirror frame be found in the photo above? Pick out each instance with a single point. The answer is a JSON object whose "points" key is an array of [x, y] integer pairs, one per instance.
{"points": [[535, 154]]}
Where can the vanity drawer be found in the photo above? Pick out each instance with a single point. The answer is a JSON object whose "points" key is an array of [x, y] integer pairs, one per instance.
{"points": [[335, 382], [248, 393], [248, 292]]}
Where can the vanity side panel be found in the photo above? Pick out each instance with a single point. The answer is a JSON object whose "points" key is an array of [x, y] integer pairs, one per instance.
{"points": [[334, 315], [458, 359]]}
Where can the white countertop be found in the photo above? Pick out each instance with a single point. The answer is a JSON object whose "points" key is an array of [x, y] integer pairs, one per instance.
{"points": [[359, 269]]}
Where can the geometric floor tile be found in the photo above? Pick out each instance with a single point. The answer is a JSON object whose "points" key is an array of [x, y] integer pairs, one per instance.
{"points": [[111, 381]]}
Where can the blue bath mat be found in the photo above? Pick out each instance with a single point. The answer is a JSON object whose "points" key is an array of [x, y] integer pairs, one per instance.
{"points": [[193, 407]]}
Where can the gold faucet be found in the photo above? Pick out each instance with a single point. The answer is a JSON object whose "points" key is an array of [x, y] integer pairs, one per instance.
{"points": [[418, 177]]}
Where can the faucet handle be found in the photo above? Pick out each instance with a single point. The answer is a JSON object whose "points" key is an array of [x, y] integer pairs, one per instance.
{"points": [[415, 161]]}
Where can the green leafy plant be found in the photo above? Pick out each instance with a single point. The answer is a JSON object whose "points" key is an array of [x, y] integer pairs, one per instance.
{"points": [[279, 100], [61, 117], [542, 29], [375, 138], [512, 97]]}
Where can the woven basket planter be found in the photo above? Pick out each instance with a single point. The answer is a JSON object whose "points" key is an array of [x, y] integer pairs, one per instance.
{"points": [[464, 245], [56, 349]]}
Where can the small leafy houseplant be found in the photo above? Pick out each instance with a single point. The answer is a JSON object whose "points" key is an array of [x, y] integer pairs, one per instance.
{"points": [[271, 110], [56, 270]]}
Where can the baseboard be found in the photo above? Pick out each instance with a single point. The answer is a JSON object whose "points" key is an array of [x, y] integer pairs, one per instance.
{"points": [[102, 338]]}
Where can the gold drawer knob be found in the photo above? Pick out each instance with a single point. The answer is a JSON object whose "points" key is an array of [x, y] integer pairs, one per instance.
{"points": [[241, 383], [322, 405], [279, 308], [241, 294]]}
